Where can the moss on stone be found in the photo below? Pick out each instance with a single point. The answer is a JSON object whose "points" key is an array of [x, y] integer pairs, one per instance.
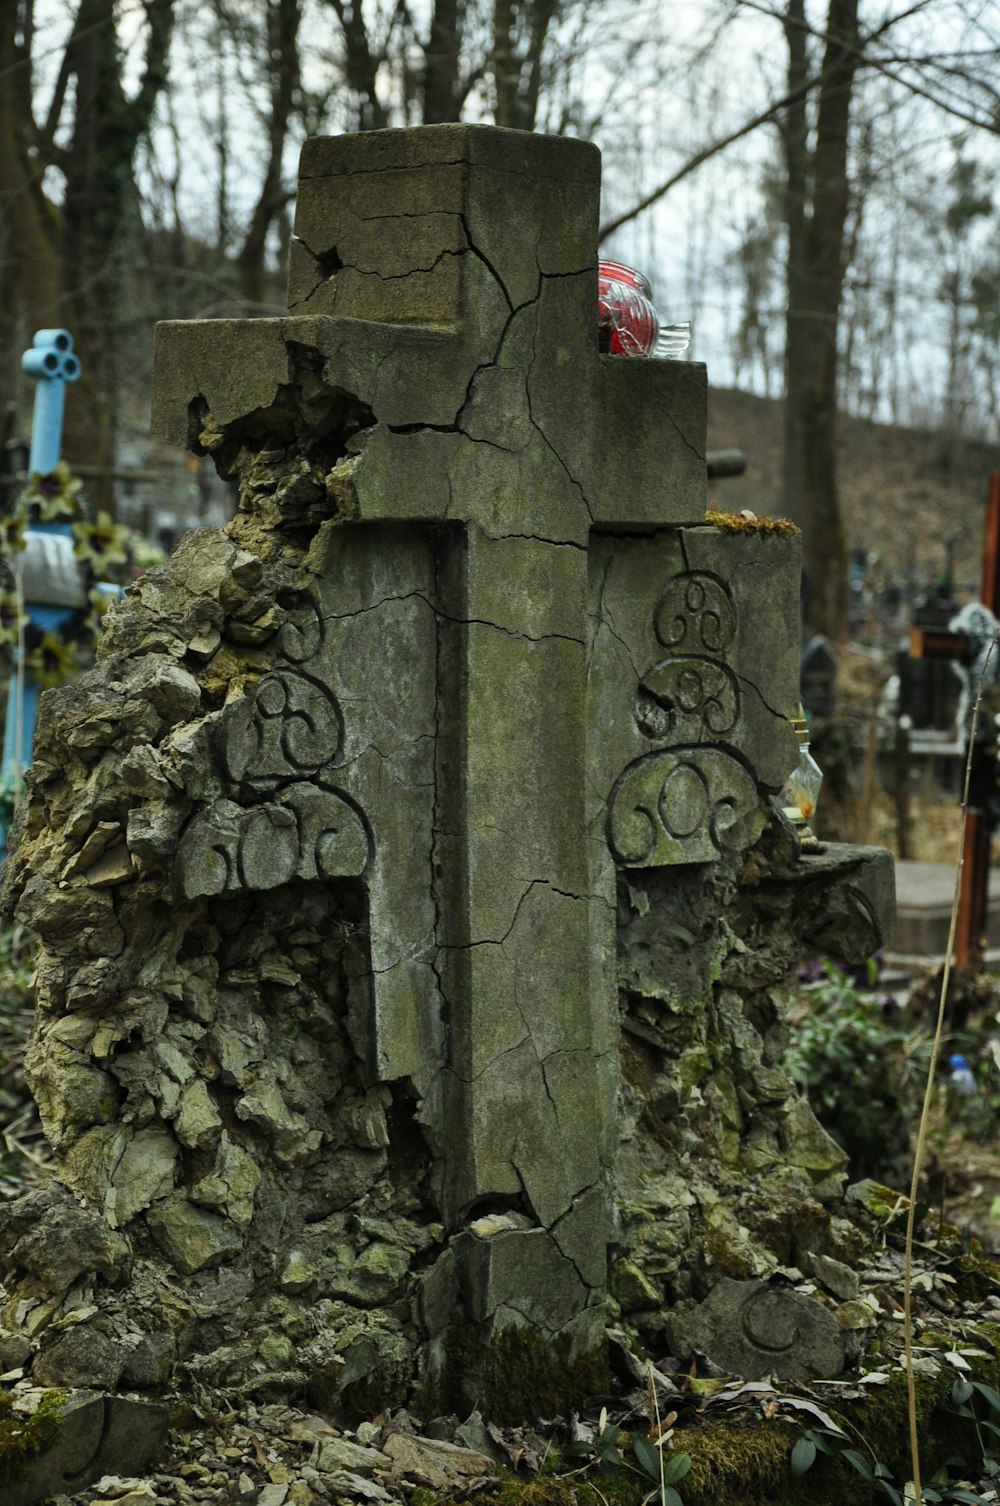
{"points": [[976, 1277], [883, 1420], [24, 1438], [622, 1489], [724, 1257], [525, 1376], [741, 1463], [745, 1462], [522, 1375], [739, 522]]}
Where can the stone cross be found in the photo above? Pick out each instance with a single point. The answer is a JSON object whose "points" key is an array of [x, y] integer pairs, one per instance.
{"points": [[432, 727]]}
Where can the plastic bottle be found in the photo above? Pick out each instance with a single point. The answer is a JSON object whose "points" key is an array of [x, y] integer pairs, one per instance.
{"points": [[961, 1079]]}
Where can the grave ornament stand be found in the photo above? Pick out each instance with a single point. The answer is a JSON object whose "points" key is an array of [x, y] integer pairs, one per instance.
{"points": [[388, 804]]}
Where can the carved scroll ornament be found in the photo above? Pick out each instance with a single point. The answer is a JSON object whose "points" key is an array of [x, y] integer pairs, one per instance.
{"points": [[683, 805]]}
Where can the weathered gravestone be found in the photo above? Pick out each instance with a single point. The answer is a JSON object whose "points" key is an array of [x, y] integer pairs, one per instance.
{"points": [[388, 802]]}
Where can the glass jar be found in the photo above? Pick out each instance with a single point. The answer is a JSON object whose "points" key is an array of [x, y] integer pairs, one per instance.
{"points": [[801, 789], [627, 322]]}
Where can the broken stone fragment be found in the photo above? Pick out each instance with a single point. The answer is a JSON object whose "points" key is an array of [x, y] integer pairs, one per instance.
{"points": [[367, 1119], [82, 1356], [149, 1361], [144, 1173], [70, 1092], [198, 1119], [341, 1453], [632, 1288], [49, 1236], [293, 1141], [232, 1184], [806, 1143], [139, 1494], [153, 830], [751, 1329], [434, 1462], [348, 1485], [192, 1238], [837, 1277]]}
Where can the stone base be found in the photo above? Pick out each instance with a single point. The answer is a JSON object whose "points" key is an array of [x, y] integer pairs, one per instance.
{"points": [[73, 1438]]}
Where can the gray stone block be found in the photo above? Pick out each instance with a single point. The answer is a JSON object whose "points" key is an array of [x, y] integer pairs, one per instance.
{"points": [[754, 1330]]}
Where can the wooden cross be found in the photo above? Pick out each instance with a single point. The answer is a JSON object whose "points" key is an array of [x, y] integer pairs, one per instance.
{"points": [[443, 288], [933, 643]]}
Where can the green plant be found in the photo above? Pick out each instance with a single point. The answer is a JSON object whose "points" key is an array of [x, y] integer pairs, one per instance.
{"points": [[970, 1399], [833, 1441], [646, 1458], [862, 1065]]}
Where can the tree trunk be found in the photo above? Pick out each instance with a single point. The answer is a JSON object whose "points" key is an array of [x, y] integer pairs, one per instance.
{"points": [[815, 286], [29, 223], [441, 57], [100, 197], [361, 65], [283, 21]]}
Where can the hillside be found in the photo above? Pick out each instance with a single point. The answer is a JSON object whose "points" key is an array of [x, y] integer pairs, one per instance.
{"points": [[899, 498]]}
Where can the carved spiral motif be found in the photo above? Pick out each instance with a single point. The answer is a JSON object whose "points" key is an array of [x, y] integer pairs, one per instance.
{"points": [[695, 614], [303, 635], [687, 700], [770, 1321], [684, 805], [275, 747], [292, 727]]}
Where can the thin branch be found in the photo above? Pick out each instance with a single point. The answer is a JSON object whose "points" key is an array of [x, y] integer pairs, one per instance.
{"points": [[714, 147]]}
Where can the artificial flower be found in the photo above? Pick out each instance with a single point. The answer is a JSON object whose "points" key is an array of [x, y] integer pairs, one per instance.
{"points": [[55, 495], [101, 544], [10, 617], [12, 526], [52, 662]]}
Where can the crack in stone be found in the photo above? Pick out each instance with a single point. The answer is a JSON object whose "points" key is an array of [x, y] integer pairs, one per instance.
{"points": [[554, 1233], [604, 619], [495, 363], [466, 946], [752, 688], [524, 637], [699, 454], [443, 616], [539, 538], [486, 263], [493, 1062], [348, 266], [541, 432], [375, 606]]}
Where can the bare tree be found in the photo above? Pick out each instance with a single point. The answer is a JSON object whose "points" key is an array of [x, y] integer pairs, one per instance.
{"points": [[65, 256]]}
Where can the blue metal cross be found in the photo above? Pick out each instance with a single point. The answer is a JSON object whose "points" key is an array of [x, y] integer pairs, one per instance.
{"points": [[51, 363]]}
